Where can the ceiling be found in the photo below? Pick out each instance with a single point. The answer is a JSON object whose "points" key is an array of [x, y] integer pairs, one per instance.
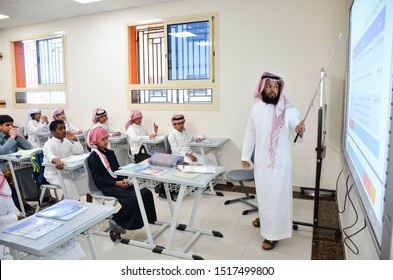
{"points": [[26, 12]]}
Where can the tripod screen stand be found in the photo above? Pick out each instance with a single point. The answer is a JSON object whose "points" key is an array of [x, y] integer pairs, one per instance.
{"points": [[319, 157]]}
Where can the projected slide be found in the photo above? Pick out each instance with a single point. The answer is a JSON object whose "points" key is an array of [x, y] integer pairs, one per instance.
{"points": [[369, 98]]}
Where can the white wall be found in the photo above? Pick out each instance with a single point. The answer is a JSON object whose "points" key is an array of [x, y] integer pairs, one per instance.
{"points": [[291, 38]]}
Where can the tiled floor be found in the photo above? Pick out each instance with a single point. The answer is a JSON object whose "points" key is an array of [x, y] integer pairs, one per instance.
{"points": [[241, 240]]}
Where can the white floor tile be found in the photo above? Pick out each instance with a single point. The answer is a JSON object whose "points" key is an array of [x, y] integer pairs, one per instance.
{"points": [[241, 240]]}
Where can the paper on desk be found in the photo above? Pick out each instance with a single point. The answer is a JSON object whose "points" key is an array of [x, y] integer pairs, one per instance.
{"points": [[33, 228], [197, 168], [186, 175]]}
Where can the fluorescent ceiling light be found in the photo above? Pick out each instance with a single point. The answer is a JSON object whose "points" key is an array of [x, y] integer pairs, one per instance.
{"points": [[182, 34], [86, 1], [3, 16]]}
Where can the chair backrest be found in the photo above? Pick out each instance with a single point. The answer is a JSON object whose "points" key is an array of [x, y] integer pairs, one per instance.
{"points": [[167, 145], [94, 191], [36, 159]]}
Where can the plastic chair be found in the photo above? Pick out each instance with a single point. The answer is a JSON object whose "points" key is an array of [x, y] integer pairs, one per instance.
{"points": [[167, 145], [243, 175], [93, 190], [36, 160]]}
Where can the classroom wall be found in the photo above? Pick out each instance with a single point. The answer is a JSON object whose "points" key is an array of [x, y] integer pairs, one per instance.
{"points": [[291, 38]]}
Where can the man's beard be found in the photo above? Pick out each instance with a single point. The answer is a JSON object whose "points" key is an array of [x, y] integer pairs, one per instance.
{"points": [[269, 100]]}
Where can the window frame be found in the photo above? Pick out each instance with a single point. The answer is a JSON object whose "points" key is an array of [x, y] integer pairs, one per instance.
{"points": [[40, 87], [211, 83]]}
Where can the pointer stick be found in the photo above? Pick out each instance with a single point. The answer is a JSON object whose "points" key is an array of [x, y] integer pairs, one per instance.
{"points": [[320, 81]]}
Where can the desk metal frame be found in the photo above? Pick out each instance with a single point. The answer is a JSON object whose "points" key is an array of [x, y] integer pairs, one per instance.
{"points": [[185, 185], [83, 223]]}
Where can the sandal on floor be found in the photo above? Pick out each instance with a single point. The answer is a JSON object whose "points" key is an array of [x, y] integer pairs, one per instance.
{"points": [[256, 223], [114, 236], [268, 244]]}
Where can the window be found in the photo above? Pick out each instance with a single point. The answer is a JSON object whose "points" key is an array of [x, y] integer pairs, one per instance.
{"points": [[39, 71], [172, 63]]}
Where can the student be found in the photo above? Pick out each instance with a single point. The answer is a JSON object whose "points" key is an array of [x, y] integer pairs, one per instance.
{"points": [[59, 114], [179, 138], [100, 118], [103, 163], [35, 124], [10, 142], [63, 144], [135, 131]]}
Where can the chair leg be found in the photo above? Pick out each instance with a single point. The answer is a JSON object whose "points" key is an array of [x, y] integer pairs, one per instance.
{"points": [[40, 199], [244, 199]]}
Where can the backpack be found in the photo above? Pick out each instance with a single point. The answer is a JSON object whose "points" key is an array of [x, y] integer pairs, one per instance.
{"points": [[38, 170]]}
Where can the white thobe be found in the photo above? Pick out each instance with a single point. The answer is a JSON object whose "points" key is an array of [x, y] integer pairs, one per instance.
{"points": [[136, 134], [273, 185], [70, 127], [34, 127], [56, 148], [179, 146]]}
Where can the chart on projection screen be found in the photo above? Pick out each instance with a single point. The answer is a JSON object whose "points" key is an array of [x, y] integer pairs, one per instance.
{"points": [[369, 97]]}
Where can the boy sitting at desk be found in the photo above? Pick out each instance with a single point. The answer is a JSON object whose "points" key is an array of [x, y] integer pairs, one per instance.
{"points": [[10, 142], [103, 163], [63, 144], [179, 139], [35, 124]]}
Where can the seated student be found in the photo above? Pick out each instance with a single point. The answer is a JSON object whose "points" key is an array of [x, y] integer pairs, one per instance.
{"points": [[35, 124], [136, 132], [179, 138], [63, 144], [59, 114], [100, 118], [10, 142], [103, 163]]}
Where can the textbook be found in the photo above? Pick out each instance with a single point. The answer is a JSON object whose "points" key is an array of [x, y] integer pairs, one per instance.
{"points": [[64, 210], [149, 170], [33, 227], [133, 166]]}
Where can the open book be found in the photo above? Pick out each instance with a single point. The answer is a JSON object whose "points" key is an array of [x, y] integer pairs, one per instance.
{"points": [[149, 170], [33, 227], [64, 210]]}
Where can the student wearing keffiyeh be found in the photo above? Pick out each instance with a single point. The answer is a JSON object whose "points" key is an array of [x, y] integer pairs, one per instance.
{"points": [[103, 164], [270, 124]]}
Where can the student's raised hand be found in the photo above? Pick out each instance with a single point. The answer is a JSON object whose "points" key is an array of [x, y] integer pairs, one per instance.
{"points": [[155, 127]]}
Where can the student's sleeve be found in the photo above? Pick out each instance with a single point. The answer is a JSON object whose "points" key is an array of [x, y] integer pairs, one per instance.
{"points": [[7, 146], [249, 139], [23, 143], [133, 136], [76, 147]]}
